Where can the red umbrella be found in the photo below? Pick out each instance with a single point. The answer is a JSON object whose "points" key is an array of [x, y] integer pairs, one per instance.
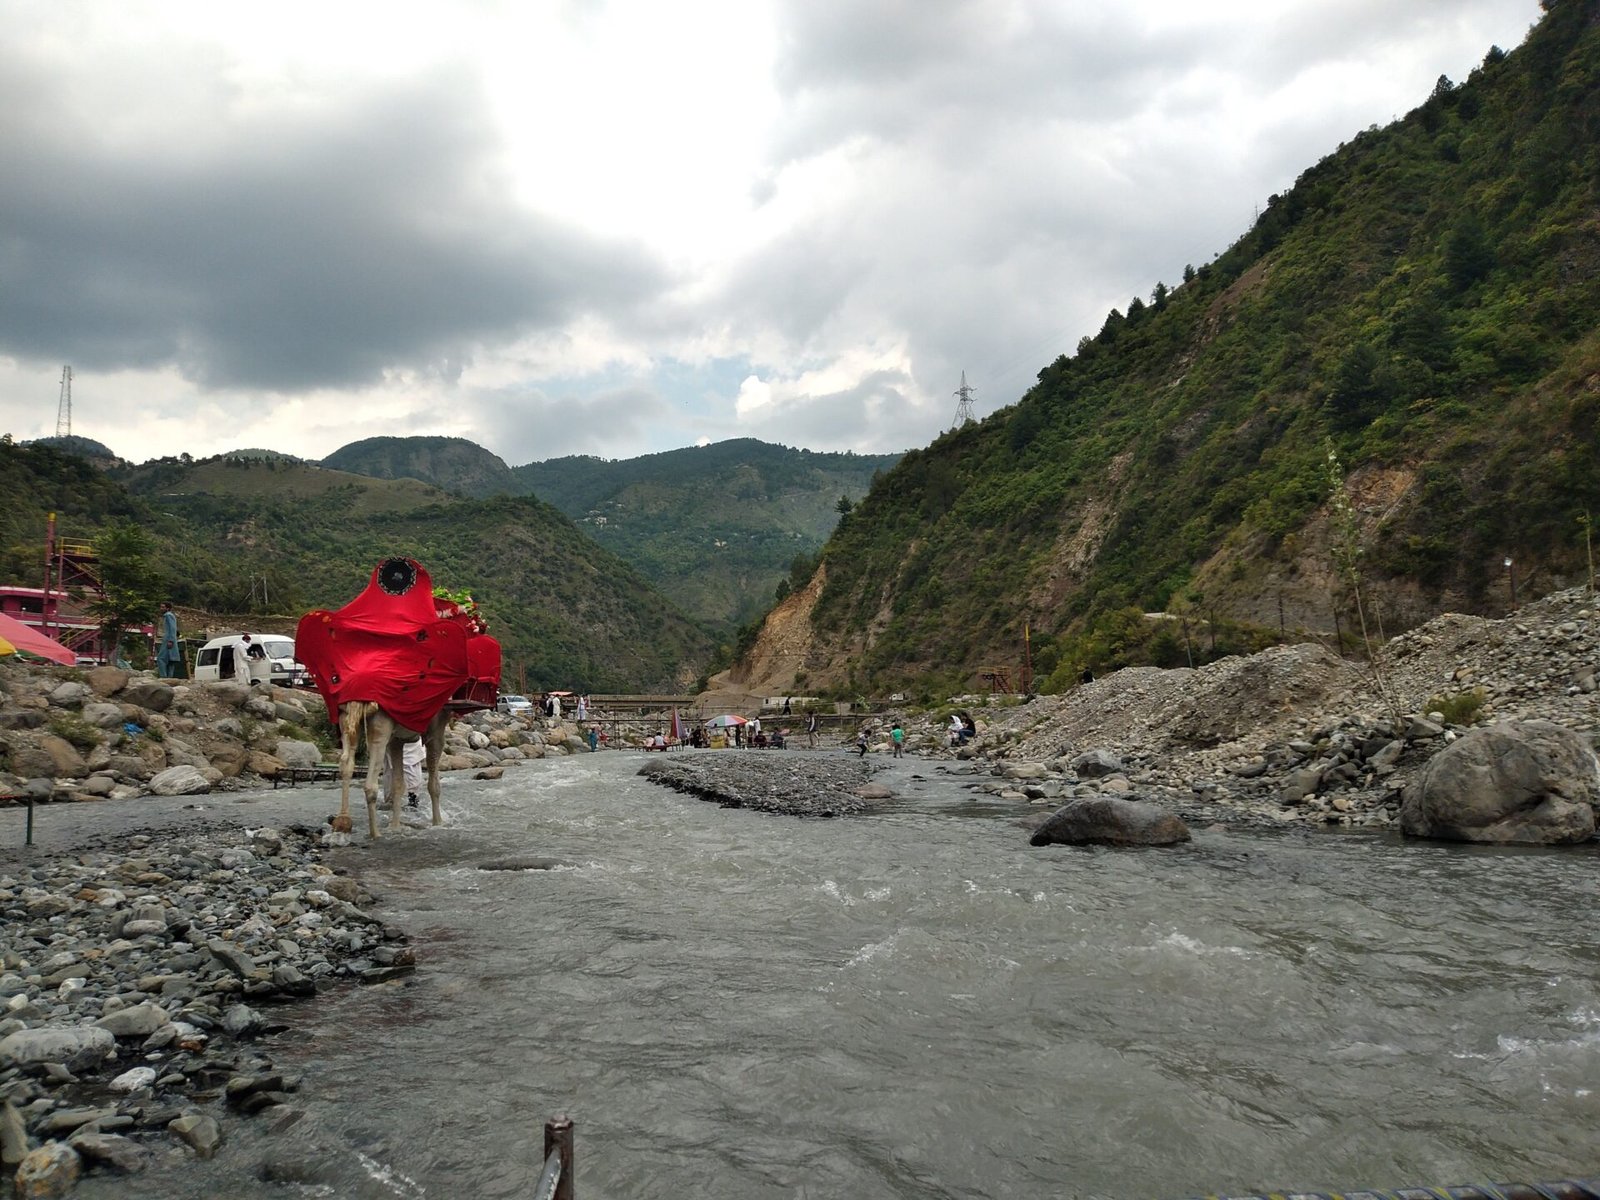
{"points": [[25, 637]]}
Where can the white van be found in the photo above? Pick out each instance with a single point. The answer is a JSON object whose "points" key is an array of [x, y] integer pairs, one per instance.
{"points": [[223, 658]]}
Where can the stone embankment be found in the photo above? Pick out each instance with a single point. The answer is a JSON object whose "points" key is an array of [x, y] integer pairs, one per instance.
{"points": [[106, 733]]}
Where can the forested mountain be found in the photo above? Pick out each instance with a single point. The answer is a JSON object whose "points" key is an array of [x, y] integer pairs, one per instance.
{"points": [[1414, 327], [224, 532], [450, 463], [718, 528]]}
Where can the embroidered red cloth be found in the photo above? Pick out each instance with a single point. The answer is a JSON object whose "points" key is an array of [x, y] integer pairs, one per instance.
{"points": [[392, 644]]}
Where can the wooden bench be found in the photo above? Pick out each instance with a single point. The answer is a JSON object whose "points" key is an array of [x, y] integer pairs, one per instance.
{"points": [[290, 776]]}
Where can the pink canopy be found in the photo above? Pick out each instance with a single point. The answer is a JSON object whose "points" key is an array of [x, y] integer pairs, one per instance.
{"points": [[25, 637]]}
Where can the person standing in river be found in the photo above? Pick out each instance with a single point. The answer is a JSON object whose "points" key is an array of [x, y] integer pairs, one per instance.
{"points": [[898, 734]]}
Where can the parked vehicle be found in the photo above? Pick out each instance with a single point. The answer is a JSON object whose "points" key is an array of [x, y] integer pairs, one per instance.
{"points": [[513, 705], [224, 658]]}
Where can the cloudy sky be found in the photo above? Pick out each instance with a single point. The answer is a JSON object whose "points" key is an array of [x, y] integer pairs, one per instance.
{"points": [[620, 226]]}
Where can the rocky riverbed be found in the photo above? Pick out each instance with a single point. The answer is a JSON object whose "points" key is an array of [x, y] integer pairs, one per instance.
{"points": [[138, 974], [772, 781], [1294, 736]]}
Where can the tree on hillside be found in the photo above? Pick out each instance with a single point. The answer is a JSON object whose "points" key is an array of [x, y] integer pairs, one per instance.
{"points": [[132, 582], [1468, 256]]}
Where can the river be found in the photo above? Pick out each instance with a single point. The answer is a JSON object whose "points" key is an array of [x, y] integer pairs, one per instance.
{"points": [[917, 1003]]}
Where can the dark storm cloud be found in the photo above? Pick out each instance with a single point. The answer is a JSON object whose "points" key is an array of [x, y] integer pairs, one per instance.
{"points": [[284, 249]]}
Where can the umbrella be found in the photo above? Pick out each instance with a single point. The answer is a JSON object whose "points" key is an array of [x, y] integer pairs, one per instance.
{"points": [[6, 648], [724, 721], [677, 725], [22, 637]]}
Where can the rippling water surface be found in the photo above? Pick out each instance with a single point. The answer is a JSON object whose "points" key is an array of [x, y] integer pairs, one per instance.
{"points": [[918, 1004]]}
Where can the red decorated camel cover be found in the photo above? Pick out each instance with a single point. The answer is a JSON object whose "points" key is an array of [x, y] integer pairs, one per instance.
{"points": [[396, 645]]}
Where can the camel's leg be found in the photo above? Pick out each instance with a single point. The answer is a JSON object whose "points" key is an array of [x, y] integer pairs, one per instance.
{"points": [[380, 729], [396, 791], [434, 741], [351, 722]]}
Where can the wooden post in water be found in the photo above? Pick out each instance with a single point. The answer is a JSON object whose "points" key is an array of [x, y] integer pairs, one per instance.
{"points": [[558, 1140]]}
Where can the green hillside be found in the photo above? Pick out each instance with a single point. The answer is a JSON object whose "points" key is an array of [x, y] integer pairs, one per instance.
{"points": [[450, 463], [1426, 301], [222, 531], [716, 527]]}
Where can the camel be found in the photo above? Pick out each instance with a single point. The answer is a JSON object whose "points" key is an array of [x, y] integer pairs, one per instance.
{"points": [[384, 738]]}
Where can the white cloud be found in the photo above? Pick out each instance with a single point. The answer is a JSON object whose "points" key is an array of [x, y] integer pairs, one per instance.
{"points": [[617, 226]]}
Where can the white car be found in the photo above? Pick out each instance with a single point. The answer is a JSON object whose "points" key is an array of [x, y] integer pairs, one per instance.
{"points": [[513, 705], [224, 658]]}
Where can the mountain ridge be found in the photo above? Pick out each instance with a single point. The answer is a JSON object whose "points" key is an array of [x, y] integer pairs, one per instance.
{"points": [[1412, 327]]}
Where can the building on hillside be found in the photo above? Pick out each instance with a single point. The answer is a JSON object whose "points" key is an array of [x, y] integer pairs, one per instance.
{"points": [[56, 616]]}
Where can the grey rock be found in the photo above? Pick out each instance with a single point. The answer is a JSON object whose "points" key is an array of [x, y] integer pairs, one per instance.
{"points": [[139, 1021], [294, 753], [1110, 821], [102, 714], [230, 956], [1519, 782], [13, 1136], [70, 694], [1298, 784], [56, 1044], [180, 781], [146, 693], [199, 1132], [1095, 763], [111, 1150], [242, 1021], [1387, 757], [67, 1120]]}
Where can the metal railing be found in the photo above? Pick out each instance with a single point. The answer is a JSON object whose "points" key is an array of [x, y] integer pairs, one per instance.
{"points": [[556, 1181]]}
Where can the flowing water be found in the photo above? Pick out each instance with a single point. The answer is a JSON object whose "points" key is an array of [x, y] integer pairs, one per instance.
{"points": [[918, 1004]]}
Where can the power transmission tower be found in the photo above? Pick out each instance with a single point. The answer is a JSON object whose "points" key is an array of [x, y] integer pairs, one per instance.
{"points": [[964, 413], [64, 409]]}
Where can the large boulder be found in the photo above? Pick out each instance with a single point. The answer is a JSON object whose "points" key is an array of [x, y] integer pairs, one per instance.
{"points": [[57, 1044], [107, 681], [294, 753], [1110, 821], [1096, 764], [1530, 783], [65, 761], [266, 765], [147, 693], [180, 781], [70, 694], [103, 714]]}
